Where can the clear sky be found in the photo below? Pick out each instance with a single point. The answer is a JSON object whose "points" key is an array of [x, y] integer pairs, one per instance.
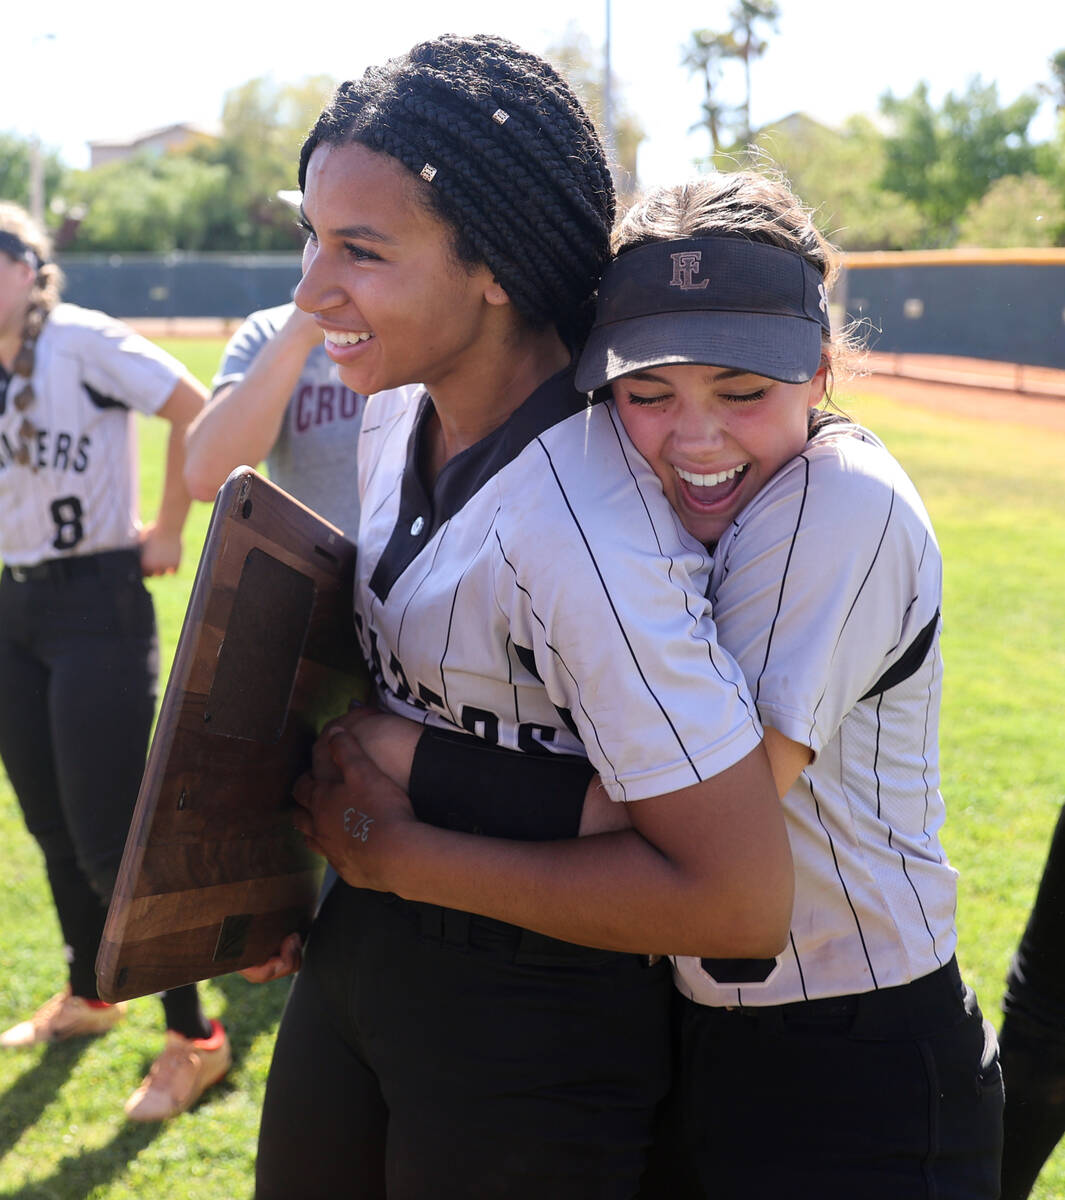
{"points": [[120, 67]]}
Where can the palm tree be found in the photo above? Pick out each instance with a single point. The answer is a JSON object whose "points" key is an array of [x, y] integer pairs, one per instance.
{"points": [[745, 16], [704, 55]]}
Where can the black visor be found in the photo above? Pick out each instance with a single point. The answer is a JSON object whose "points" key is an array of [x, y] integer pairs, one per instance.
{"points": [[722, 301]]}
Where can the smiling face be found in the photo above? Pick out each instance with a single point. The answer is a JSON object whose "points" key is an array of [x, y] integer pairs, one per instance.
{"points": [[381, 279], [714, 437]]}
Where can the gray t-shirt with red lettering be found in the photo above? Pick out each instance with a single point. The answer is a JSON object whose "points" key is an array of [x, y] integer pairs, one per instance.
{"points": [[314, 457]]}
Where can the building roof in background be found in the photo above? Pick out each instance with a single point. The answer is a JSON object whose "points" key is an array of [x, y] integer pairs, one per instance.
{"points": [[180, 136]]}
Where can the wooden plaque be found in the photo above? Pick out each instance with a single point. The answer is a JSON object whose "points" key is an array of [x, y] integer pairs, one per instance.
{"points": [[213, 875]]}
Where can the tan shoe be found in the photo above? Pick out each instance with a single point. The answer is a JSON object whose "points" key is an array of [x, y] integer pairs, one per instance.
{"points": [[180, 1075], [62, 1017]]}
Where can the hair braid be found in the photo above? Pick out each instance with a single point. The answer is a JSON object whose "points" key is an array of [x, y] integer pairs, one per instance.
{"points": [[547, 236], [529, 195]]}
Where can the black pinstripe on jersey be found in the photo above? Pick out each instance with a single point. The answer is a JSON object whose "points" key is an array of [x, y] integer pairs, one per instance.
{"points": [[902, 856], [528, 656], [711, 646], [617, 617], [858, 592], [827, 589], [465, 474], [499, 601], [784, 577]]}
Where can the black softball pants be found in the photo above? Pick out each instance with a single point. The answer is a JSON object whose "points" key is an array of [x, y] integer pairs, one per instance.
{"points": [[429, 1054], [78, 673], [887, 1095], [1033, 1032]]}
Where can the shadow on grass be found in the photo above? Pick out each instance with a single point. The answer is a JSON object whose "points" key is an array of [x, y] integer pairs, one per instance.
{"points": [[79, 1174], [251, 1009], [30, 1094]]}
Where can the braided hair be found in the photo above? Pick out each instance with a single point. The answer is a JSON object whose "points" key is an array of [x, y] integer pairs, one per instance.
{"points": [[513, 164]]}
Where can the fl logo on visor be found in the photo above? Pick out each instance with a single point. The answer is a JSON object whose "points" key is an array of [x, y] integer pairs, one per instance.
{"points": [[686, 265]]}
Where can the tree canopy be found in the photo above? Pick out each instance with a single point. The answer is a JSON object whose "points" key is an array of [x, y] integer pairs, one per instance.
{"points": [[926, 174], [961, 171], [15, 155], [942, 160], [220, 195], [708, 52]]}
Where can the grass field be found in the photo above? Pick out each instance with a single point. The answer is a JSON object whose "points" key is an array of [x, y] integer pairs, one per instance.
{"points": [[995, 493]]}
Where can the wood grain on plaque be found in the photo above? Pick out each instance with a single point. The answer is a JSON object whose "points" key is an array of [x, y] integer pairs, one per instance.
{"points": [[214, 876]]}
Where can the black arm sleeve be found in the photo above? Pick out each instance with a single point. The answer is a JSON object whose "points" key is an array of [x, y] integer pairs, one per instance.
{"points": [[459, 782]]}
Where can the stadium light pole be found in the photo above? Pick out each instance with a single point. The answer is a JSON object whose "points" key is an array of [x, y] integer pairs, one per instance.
{"points": [[36, 157], [608, 96]]}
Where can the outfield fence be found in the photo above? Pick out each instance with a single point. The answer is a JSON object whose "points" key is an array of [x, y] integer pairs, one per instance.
{"points": [[179, 286], [1004, 307]]}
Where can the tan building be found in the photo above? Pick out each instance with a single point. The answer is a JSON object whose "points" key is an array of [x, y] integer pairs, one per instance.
{"points": [[183, 136]]}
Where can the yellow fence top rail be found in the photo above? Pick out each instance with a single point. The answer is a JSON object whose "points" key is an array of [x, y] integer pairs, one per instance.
{"points": [[1032, 256]]}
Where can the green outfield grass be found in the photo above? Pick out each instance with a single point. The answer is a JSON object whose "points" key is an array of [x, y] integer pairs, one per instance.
{"points": [[995, 494]]}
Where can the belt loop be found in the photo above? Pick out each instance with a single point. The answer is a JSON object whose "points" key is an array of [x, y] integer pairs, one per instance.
{"points": [[444, 924], [770, 1018], [456, 927], [916, 1009], [432, 921]]}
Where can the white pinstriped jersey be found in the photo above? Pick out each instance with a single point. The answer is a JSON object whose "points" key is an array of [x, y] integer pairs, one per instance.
{"points": [[822, 589], [544, 597], [91, 372]]}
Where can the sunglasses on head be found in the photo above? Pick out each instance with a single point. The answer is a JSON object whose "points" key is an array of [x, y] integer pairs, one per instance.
{"points": [[15, 248]]}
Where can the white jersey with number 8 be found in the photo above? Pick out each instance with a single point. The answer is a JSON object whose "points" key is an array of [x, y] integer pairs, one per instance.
{"points": [[78, 493]]}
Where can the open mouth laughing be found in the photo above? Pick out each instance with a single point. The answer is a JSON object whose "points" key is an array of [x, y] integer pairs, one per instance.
{"points": [[711, 488]]}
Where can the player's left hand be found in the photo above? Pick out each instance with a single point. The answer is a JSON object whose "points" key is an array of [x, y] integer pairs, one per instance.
{"points": [[286, 961], [160, 552], [388, 740], [350, 812]]}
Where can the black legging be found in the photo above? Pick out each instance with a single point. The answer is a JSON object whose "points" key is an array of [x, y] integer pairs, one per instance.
{"points": [[430, 1054], [78, 673], [427, 1054], [892, 1094], [1033, 1032]]}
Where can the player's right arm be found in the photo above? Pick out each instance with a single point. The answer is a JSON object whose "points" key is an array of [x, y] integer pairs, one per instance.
{"points": [[705, 870], [243, 419], [161, 538], [391, 743]]}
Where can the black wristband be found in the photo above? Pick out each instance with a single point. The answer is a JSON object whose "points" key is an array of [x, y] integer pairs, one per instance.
{"points": [[459, 782]]}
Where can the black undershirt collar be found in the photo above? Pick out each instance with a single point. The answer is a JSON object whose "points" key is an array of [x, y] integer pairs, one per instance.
{"points": [[421, 514]]}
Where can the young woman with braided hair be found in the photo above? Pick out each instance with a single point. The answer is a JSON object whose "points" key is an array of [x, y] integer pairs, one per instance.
{"points": [[522, 584], [855, 1062], [78, 653]]}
